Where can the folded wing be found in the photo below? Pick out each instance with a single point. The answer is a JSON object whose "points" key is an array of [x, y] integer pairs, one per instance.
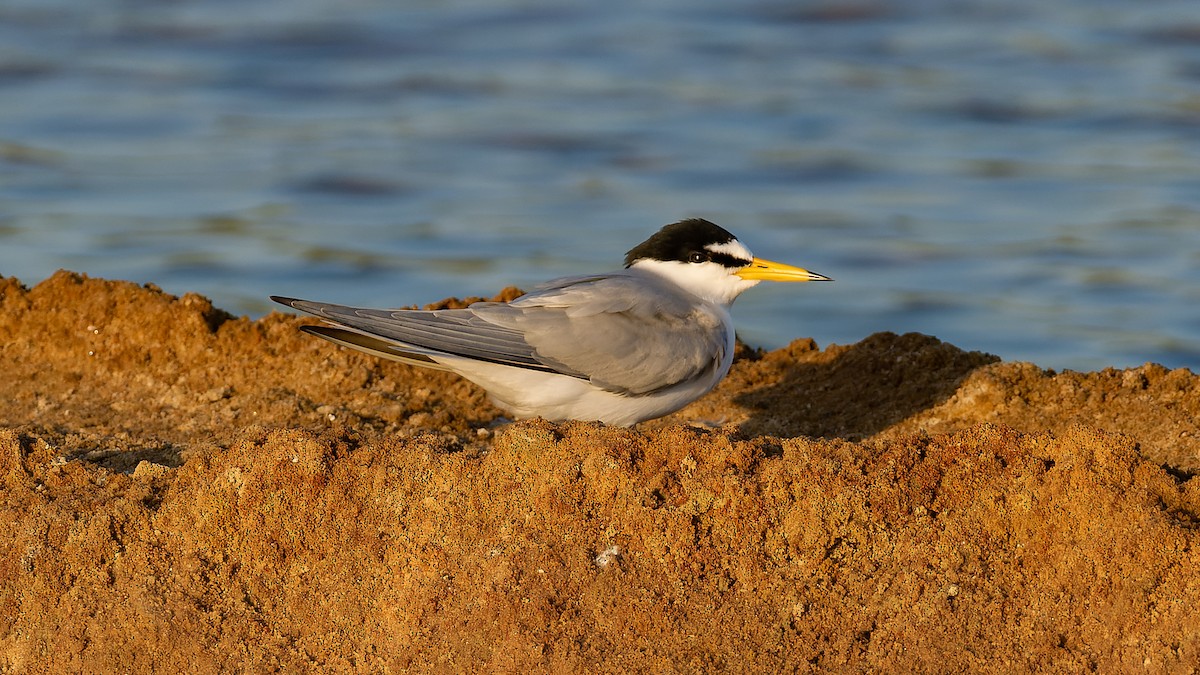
{"points": [[626, 333]]}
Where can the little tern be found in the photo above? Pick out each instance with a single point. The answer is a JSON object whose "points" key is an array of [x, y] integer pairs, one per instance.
{"points": [[620, 347]]}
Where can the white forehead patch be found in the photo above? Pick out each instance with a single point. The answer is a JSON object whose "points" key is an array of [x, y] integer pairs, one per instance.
{"points": [[734, 248]]}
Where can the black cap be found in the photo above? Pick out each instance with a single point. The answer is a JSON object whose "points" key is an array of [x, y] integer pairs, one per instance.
{"points": [[686, 241]]}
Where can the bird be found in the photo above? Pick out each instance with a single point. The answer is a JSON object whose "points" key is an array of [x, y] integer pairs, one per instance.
{"points": [[619, 347]]}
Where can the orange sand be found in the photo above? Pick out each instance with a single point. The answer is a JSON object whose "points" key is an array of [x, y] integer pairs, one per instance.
{"points": [[188, 491]]}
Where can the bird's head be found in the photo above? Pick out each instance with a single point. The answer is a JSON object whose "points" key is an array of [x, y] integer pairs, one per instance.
{"points": [[707, 261]]}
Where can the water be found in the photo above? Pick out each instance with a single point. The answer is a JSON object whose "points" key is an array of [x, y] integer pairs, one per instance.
{"points": [[1018, 177]]}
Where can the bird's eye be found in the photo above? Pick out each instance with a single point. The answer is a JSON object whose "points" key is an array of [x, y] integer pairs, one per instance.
{"points": [[697, 257]]}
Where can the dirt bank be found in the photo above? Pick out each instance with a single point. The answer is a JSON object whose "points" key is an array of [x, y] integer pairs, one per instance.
{"points": [[186, 490]]}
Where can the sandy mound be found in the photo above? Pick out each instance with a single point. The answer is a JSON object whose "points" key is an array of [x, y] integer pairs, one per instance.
{"points": [[189, 491]]}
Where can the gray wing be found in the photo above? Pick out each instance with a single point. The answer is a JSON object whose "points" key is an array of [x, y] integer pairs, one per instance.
{"points": [[624, 332], [627, 332], [417, 335]]}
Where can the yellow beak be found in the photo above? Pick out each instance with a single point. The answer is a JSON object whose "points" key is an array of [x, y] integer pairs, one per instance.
{"points": [[765, 270]]}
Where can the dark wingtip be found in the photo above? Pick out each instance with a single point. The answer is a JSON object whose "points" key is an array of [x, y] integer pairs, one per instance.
{"points": [[284, 300], [367, 343]]}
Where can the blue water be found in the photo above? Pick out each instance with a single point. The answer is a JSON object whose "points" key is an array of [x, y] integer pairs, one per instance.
{"points": [[1013, 176]]}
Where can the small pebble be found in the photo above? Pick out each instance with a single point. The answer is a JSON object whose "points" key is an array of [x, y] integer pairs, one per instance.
{"points": [[608, 556]]}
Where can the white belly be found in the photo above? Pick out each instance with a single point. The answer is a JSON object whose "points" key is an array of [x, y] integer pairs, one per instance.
{"points": [[525, 393]]}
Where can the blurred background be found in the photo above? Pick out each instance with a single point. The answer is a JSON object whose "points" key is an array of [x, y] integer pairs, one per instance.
{"points": [[1015, 176]]}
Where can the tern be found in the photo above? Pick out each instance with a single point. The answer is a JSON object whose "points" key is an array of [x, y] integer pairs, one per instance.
{"points": [[620, 347]]}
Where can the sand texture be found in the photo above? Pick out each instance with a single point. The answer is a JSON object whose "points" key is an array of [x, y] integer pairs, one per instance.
{"points": [[186, 491]]}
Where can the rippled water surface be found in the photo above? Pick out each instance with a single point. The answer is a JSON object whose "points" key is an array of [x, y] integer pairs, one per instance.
{"points": [[1018, 177]]}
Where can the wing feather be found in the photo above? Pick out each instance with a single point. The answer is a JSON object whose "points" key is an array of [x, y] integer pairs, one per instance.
{"points": [[455, 332], [626, 332]]}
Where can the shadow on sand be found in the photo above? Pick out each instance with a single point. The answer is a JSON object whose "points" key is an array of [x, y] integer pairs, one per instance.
{"points": [[856, 391]]}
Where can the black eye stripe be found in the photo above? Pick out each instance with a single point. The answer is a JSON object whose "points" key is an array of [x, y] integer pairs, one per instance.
{"points": [[727, 260]]}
